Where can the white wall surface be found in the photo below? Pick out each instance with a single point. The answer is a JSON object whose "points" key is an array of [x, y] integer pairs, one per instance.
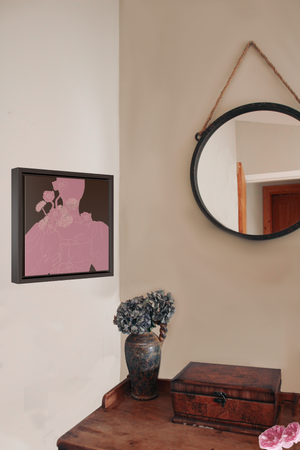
{"points": [[237, 300], [266, 147], [59, 351], [255, 221], [217, 176]]}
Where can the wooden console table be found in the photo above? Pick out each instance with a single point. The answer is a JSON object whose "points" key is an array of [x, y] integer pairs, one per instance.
{"points": [[122, 423]]}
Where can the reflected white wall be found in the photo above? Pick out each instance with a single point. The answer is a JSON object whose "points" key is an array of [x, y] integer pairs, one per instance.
{"points": [[217, 177], [268, 148], [254, 208], [264, 142]]}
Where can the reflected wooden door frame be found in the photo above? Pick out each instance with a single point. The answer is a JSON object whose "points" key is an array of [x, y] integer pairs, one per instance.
{"points": [[268, 192], [242, 198]]}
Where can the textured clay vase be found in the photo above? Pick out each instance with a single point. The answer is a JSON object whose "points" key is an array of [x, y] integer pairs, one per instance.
{"points": [[142, 353]]}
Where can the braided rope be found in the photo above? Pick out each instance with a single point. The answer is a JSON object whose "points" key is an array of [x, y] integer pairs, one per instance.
{"points": [[250, 43]]}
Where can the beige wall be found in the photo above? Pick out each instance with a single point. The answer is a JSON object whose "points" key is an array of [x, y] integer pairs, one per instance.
{"points": [[59, 78], [237, 300]]}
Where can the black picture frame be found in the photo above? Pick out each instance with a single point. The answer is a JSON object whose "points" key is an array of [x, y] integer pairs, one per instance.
{"points": [[62, 225]]}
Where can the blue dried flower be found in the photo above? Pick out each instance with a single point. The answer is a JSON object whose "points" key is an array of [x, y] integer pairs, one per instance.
{"points": [[141, 314], [162, 305]]}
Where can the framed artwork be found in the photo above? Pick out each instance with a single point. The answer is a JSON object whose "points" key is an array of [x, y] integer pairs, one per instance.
{"points": [[62, 225]]}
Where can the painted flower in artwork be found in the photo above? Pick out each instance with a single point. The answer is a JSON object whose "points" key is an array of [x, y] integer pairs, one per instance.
{"points": [[40, 205], [72, 204], [291, 435], [272, 438], [48, 196], [86, 217], [59, 185], [65, 240]]}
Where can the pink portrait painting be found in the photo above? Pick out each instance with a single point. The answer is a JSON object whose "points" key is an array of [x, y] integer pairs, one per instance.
{"points": [[66, 225]]}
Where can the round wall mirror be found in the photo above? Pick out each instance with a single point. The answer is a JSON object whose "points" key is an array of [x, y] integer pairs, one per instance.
{"points": [[245, 171]]}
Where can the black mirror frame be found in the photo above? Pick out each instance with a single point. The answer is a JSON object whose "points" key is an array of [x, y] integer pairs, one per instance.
{"points": [[201, 142]]}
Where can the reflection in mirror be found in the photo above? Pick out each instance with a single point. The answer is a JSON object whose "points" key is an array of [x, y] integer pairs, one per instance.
{"points": [[245, 171]]}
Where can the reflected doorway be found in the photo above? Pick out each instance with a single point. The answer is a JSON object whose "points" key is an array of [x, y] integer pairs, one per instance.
{"points": [[281, 205]]}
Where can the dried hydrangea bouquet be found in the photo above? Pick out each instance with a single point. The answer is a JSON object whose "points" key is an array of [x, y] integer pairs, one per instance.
{"points": [[137, 317]]}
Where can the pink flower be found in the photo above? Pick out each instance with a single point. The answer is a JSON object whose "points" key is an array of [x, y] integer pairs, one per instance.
{"points": [[48, 196], [291, 435], [272, 438], [59, 185], [40, 205], [86, 217]]}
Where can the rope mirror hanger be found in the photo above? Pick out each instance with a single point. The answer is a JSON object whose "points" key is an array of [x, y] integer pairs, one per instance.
{"points": [[222, 195], [250, 44]]}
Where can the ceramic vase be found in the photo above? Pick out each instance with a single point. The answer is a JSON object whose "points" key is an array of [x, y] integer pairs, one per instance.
{"points": [[143, 354]]}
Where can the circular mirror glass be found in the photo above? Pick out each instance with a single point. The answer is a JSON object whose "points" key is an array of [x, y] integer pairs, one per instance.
{"points": [[245, 171]]}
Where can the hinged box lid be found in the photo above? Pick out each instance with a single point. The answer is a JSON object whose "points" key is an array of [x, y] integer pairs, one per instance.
{"points": [[247, 383]]}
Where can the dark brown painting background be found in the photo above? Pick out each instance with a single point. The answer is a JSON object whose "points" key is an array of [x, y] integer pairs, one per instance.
{"points": [[95, 199]]}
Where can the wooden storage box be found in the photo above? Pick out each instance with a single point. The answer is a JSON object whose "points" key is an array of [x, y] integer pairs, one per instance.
{"points": [[225, 397]]}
